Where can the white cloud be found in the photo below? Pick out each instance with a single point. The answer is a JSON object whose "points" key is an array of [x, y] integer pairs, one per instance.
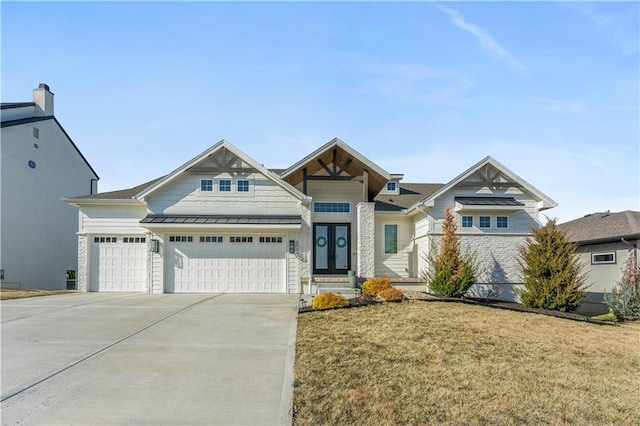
{"points": [[485, 39]]}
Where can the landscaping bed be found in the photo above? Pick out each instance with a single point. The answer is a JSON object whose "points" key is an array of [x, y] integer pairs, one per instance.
{"points": [[18, 293]]}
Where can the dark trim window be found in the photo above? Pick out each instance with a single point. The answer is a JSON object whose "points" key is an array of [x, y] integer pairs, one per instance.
{"points": [[467, 221], [206, 185], [331, 207], [600, 258], [224, 185], [484, 221], [180, 238], [105, 240], [390, 239], [391, 186], [242, 185], [270, 239], [243, 239], [134, 240], [211, 239], [502, 222]]}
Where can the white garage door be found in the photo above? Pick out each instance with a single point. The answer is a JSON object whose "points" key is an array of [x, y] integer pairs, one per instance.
{"points": [[119, 263], [226, 264]]}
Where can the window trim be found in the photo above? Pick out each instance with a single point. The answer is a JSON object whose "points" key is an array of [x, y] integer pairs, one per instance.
{"points": [[480, 222], [220, 185], [209, 185], [328, 203], [238, 186], [604, 262], [498, 222], [384, 230], [462, 222], [395, 186]]}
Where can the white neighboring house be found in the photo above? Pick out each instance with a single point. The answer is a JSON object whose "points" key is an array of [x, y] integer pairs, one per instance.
{"points": [[40, 165], [224, 223]]}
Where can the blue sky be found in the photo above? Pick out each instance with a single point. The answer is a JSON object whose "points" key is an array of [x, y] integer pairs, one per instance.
{"points": [[426, 89]]}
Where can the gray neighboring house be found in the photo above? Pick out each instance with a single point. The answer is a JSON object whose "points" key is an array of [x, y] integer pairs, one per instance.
{"points": [[39, 165], [605, 241]]}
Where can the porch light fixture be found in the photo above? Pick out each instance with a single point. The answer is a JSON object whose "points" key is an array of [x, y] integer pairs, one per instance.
{"points": [[155, 246]]}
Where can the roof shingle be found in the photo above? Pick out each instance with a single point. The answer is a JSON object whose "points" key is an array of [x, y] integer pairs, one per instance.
{"points": [[600, 227]]}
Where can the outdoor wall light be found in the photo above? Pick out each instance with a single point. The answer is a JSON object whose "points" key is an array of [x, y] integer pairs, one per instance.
{"points": [[155, 246]]}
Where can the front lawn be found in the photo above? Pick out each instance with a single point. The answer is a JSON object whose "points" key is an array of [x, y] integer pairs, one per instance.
{"points": [[419, 362], [17, 293]]}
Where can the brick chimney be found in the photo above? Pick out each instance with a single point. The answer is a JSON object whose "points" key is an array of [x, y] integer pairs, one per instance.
{"points": [[43, 98]]}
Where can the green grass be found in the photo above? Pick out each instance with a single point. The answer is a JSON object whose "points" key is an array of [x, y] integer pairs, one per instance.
{"points": [[17, 293], [605, 317], [444, 363]]}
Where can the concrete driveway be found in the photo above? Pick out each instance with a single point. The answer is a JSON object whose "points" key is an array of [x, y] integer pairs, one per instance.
{"points": [[118, 358]]}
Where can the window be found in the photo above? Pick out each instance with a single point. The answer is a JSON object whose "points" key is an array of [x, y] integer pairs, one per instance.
{"points": [[467, 221], [502, 222], [224, 185], [597, 258], [71, 279], [206, 185], [181, 239], [331, 207], [211, 239], [485, 221], [241, 239], [134, 240], [270, 239], [105, 240], [243, 185], [391, 186], [36, 133], [391, 238]]}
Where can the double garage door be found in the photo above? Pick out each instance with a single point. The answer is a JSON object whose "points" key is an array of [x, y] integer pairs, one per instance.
{"points": [[225, 264], [193, 264]]}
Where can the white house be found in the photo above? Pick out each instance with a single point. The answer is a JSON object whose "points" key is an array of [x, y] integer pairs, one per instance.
{"points": [[40, 165], [224, 223]]}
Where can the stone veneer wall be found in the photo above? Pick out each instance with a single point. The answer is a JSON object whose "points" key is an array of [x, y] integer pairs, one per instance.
{"points": [[366, 240], [82, 277]]}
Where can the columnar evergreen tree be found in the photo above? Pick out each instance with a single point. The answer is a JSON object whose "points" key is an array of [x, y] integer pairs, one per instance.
{"points": [[449, 273], [551, 271], [624, 299]]}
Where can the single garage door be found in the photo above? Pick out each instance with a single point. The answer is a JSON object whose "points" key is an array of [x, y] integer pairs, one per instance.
{"points": [[119, 263], [226, 264]]}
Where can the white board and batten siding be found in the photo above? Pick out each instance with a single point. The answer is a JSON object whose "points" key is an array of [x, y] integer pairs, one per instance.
{"points": [[399, 264], [183, 196]]}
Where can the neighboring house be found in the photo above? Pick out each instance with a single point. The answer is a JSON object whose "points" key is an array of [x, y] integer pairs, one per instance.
{"points": [[224, 223], [604, 241], [40, 165]]}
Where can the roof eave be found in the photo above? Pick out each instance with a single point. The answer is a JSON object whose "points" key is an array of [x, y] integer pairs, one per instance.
{"points": [[105, 201]]}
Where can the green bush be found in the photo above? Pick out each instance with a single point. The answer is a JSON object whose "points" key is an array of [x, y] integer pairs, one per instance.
{"points": [[374, 286], [391, 295], [328, 301], [552, 274], [624, 302]]}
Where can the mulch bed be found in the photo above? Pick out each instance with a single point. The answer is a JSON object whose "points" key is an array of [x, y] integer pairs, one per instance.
{"points": [[497, 304]]}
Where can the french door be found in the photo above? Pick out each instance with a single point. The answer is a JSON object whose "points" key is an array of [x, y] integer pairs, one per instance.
{"points": [[331, 248]]}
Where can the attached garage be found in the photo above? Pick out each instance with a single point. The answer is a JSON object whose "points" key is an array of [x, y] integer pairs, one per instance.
{"points": [[236, 263], [119, 263]]}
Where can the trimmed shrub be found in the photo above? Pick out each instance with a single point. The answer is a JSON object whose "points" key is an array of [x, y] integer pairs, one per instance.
{"points": [[328, 301], [374, 286], [391, 295]]}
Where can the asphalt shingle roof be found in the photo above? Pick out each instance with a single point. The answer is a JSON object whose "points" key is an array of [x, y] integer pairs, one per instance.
{"points": [[603, 227], [122, 194], [410, 194]]}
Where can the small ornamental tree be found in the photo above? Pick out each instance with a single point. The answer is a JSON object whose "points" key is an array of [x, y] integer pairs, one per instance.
{"points": [[449, 273], [624, 299], [552, 274]]}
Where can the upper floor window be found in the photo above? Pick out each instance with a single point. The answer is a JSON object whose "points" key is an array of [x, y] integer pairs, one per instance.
{"points": [[391, 186], [224, 185], [331, 207], [502, 222], [609, 257], [485, 221], [243, 185], [467, 221], [391, 238], [206, 185]]}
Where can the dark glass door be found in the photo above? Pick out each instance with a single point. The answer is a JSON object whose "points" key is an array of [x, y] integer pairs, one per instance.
{"points": [[331, 248]]}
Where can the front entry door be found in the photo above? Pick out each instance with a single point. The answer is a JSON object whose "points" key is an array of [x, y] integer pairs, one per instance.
{"points": [[332, 248]]}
